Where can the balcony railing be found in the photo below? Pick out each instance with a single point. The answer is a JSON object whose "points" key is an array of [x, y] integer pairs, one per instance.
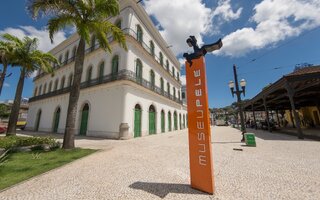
{"points": [[90, 49], [121, 75]]}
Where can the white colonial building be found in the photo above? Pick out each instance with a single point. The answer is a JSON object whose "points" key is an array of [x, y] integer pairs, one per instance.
{"points": [[124, 94]]}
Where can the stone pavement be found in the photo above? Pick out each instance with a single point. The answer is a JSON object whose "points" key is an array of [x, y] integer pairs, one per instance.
{"points": [[156, 167]]}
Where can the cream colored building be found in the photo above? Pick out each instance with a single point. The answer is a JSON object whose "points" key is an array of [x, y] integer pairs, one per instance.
{"points": [[124, 94]]}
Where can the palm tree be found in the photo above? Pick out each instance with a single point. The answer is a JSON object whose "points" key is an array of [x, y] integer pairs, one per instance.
{"points": [[88, 17], [28, 58], [5, 50]]}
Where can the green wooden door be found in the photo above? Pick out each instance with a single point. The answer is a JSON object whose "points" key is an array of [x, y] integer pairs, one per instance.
{"points": [[139, 71], [162, 122], [84, 120], [137, 122], [38, 121], [175, 118], [152, 122], [180, 124], [169, 121], [56, 121], [115, 66]]}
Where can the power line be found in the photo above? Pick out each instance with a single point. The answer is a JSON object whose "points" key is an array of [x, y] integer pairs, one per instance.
{"points": [[282, 45], [275, 68]]}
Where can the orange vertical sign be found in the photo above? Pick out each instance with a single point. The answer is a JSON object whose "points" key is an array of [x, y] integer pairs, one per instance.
{"points": [[201, 167]]}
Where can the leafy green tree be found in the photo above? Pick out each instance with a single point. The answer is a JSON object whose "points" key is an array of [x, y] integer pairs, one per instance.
{"points": [[26, 56], [4, 110], [89, 17], [5, 52]]}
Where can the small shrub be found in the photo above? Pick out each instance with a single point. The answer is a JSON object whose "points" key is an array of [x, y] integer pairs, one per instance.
{"points": [[18, 141]]}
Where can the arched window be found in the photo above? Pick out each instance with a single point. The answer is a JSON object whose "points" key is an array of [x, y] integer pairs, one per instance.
{"points": [[137, 120], [152, 120], [60, 60], [66, 57], [50, 86], [178, 76], [118, 23], [167, 65], [56, 119], [62, 82], [93, 43], [89, 74], [70, 80], [179, 95], [45, 88], [38, 118], [183, 95], [151, 48], [161, 58], [152, 81], [174, 93], [161, 85], [115, 65], [84, 119], [101, 71], [55, 85], [74, 52], [35, 91], [173, 72], [139, 71], [168, 89], [139, 34], [40, 90]]}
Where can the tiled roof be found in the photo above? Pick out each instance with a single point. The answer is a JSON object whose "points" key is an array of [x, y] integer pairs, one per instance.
{"points": [[305, 70]]}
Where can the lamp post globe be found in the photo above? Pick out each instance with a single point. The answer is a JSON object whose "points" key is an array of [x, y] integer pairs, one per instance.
{"points": [[243, 83]]}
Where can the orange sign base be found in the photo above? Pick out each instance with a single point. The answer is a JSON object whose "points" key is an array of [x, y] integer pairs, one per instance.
{"points": [[201, 167]]}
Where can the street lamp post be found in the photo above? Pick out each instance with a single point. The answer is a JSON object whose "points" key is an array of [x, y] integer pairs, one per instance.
{"points": [[235, 85]]}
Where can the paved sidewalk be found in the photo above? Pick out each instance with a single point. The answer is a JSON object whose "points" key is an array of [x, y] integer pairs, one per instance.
{"points": [[157, 167]]}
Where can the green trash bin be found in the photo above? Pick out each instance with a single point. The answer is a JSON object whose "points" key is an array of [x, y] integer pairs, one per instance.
{"points": [[250, 139]]}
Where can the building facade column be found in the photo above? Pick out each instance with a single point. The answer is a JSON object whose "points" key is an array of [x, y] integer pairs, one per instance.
{"points": [[254, 117], [267, 113], [278, 121], [293, 108]]}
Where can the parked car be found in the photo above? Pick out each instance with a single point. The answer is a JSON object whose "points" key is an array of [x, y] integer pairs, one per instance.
{"points": [[3, 129], [21, 123], [220, 122]]}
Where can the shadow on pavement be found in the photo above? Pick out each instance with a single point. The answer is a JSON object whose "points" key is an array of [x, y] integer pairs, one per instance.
{"points": [[163, 189], [275, 135], [227, 142]]}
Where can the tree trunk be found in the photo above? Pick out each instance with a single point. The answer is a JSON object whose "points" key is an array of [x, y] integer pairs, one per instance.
{"points": [[70, 131], [3, 75], [16, 105]]}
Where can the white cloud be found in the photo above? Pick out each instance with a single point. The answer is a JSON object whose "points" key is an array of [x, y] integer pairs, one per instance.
{"points": [[33, 74], [42, 34], [180, 19], [183, 79], [275, 21], [224, 11]]}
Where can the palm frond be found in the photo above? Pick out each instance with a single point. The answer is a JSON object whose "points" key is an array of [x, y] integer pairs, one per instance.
{"points": [[107, 8], [51, 7], [102, 29], [60, 22]]}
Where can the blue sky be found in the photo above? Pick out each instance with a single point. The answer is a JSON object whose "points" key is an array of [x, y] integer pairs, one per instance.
{"points": [[276, 34]]}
